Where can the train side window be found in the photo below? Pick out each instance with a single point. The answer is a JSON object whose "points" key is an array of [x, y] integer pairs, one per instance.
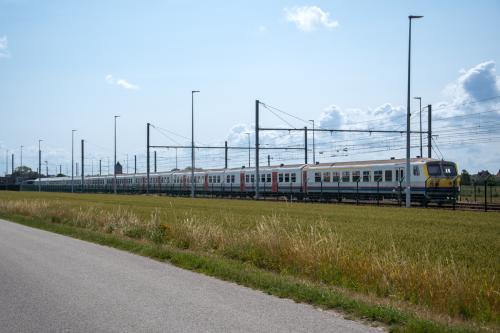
{"points": [[247, 178], [335, 176], [326, 177], [263, 178], [416, 170], [232, 178], [388, 175], [228, 179], [366, 176], [268, 177], [294, 177], [252, 178], [346, 176], [287, 177], [280, 178], [356, 176], [377, 175], [317, 177]]}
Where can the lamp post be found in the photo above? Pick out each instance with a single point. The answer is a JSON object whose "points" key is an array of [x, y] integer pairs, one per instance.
{"points": [[408, 115], [248, 134], [39, 165], [192, 141], [314, 143], [72, 160], [21, 156], [114, 165], [420, 108]]}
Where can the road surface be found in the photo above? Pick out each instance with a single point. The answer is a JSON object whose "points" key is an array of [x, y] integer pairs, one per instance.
{"points": [[53, 283]]}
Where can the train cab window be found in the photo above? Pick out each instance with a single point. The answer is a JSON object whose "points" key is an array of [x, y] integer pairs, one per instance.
{"points": [[416, 170], [377, 175], [317, 177], [335, 177], [232, 178], [294, 177], [449, 170], [326, 177], [280, 178], [356, 176], [388, 175], [366, 176], [268, 177], [346, 176]]}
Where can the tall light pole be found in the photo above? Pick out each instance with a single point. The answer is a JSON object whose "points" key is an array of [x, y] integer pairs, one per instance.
{"points": [[408, 115], [39, 165], [72, 159], [21, 156], [192, 141], [314, 143], [420, 108], [47, 168], [248, 149], [114, 165]]}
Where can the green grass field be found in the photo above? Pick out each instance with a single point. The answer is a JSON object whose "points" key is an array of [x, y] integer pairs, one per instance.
{"points": [[437, 264], [492, 194]]}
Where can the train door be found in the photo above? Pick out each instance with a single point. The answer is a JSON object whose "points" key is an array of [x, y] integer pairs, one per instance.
{"points": [[304, 181], [274, 179], [242, 182]]}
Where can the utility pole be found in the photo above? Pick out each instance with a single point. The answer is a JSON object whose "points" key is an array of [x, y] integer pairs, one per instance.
{"points": [[268, 160], [147, 157], [76, 168], [155, 159], [257, 176], [429, 131], [192, 142], [420, 108], [60, 169], [114, 164], [47, 169], [100, 167], [72, 160], [127, 163], [314, 143], [305, 144], [135, 164], [12, 167], [176, 158], [39, 166], [225, 154], [83, 166], [248, 134], [408, 115]]}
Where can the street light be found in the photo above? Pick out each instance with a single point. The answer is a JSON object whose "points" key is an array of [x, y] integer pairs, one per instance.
{"points": [[192, 141], [114, 165], [420, 108], [408, 115], [248, 148], [314, 144], [39, 166], [72, 159]]}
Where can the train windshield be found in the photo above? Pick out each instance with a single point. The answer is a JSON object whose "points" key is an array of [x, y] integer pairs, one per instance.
{"points": [[434, 169], [449, 170]]}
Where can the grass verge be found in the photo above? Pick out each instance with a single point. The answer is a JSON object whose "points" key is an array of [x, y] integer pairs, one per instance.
{"points": [[281, 285]]}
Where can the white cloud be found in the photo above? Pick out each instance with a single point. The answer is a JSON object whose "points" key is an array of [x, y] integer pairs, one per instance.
{"points": [[262, 28], [308, 18], [121, 83], [4, 47]]}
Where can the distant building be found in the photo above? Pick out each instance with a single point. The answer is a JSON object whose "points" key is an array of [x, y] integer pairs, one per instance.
{"points": [[118, 168]]}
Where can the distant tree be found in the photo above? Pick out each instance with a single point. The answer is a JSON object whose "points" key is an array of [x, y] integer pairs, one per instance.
{"points": [[61, 175], [24, 172], [466, 179]]}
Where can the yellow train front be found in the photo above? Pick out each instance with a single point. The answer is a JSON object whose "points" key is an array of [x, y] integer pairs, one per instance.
{"points": [[442, 182]]}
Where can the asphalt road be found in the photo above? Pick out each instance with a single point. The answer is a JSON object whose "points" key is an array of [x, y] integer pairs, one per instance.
{"points": [[53, 283]]}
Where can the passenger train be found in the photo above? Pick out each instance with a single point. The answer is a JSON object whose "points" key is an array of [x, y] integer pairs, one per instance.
{"points": [[431, 181]]}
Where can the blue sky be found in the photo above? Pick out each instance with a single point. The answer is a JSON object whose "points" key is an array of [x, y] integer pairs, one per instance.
{"points": [[75, 64]]}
